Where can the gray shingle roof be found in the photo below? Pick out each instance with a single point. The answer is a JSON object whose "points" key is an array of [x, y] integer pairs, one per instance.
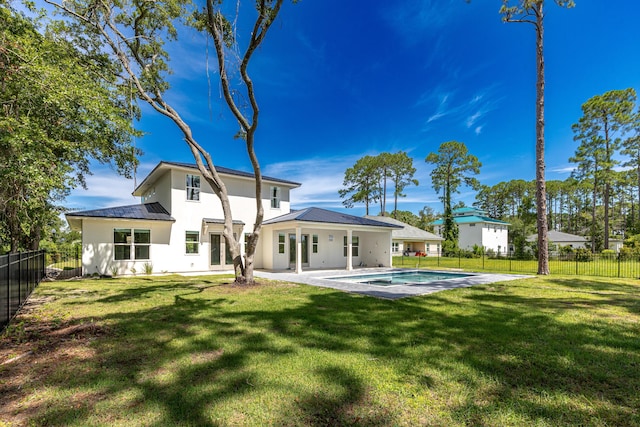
{"points": [[407, 231], [147, 211], [559, 237], [326, 216]]}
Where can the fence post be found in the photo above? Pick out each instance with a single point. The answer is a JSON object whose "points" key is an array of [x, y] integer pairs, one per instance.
{"points": [[43, 264], [8, 289], [618, 264], [21, 273]]}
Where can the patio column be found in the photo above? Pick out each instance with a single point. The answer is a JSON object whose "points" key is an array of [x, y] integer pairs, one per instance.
{"points": [[349, 249], [298, 250]]}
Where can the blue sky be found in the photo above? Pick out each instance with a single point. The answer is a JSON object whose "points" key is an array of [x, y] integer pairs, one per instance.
{"points": [[337, 81]]}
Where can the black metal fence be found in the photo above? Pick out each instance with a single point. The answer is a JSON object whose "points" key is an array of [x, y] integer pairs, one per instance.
{"points": [[20, 273], [584, 264], [64, 263]]}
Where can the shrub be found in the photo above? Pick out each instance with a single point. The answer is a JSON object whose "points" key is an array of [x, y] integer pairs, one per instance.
{"points": [[627, 253], [148, 268], [449, 248], [478, 251], [465, 253], [608, 254], [564, 250], [583, 255]]}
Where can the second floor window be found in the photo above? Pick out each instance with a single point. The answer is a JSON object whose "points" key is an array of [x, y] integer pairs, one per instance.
{"points": [[193, 187], [275, 197]]}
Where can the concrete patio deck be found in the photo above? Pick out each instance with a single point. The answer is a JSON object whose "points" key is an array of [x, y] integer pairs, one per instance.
{"points": [[322, 278]]}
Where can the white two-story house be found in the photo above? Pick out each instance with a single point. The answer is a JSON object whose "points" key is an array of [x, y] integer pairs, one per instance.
{"points": [[178, 228], [476, 228]]}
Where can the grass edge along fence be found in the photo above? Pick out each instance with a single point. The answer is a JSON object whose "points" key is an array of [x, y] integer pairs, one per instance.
{"points": [[601, 265], [20, 274]]}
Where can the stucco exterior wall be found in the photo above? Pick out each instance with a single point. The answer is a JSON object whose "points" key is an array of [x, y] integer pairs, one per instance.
{"points": [[373, 248], [469, 235], [431, 248], [170, 252], [98, 247], [495, 237], [190, 213]]}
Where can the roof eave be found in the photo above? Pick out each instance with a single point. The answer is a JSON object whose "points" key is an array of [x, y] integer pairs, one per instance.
{"points": [[164, 165]]}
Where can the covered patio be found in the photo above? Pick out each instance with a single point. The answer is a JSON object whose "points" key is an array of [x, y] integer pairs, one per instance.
{"points": [[315, 238]]}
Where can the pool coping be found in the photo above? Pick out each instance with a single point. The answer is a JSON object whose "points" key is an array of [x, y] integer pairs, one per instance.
{"points": [[327, 279]]}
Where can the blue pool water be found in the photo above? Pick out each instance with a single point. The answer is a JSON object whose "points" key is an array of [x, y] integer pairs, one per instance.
{"points": [[394, 278]]}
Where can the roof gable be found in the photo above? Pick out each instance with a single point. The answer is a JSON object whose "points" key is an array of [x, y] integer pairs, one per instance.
{"points": [[406, 231], [559, 237], [472, 219], [164, 165]]}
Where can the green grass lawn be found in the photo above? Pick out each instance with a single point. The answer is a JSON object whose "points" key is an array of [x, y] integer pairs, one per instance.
{"points": [[195, 351], [598, 266]]}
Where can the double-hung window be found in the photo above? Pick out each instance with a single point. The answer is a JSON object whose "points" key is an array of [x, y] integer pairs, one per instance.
{"points": [[314, 244], [275, 197], [192, 240], [193, 187], [125, 245]]}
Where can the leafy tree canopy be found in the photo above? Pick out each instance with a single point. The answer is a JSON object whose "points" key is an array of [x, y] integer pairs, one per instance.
{"points": [[61, 109]]}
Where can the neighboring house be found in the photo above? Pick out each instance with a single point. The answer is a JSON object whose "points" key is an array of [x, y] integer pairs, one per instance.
{"points": [[410, 239], [616, 244], [178, 228], [558, 239], [476, 228]]}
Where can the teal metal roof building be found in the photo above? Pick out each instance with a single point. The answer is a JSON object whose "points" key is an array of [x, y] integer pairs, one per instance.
{"points": [[476, 228]]}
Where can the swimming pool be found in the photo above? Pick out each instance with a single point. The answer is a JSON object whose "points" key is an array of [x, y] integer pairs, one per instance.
{"points": [[395, 278]]}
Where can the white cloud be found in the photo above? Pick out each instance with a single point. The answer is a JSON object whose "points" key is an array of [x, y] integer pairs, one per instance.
{"points": [[418, 17], [105, 188], [471, 120], [563, 169], [320, 178]]}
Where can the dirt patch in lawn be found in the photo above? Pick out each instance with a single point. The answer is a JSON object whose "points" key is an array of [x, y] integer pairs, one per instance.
{"points": [[32, 348]]}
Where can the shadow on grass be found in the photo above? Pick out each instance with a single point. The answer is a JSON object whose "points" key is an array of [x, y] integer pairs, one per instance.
{"points": [[511, 352]]}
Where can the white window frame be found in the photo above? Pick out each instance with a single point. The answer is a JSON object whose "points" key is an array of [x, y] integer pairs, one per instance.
{"points": [[355, 245], [192, 185], [190, 243], [132, 243], [275, 196]]}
